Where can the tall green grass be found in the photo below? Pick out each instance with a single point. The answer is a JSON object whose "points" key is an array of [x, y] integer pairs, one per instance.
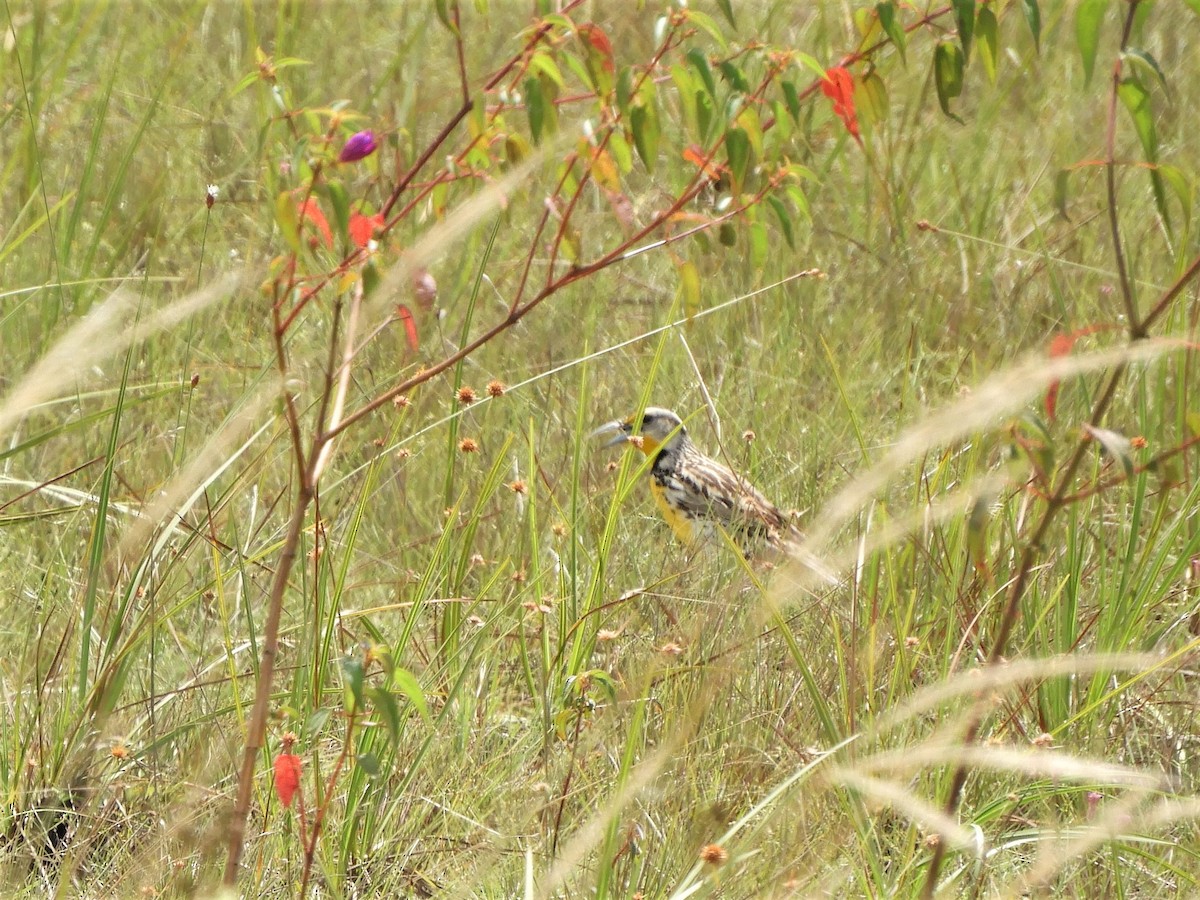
{"points": [[580, 705]]}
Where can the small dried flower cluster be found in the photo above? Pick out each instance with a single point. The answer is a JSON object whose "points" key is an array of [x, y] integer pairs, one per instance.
{"points": [[496, 388], [466, 395], [519, 487], [714, 854], [468, 445]]}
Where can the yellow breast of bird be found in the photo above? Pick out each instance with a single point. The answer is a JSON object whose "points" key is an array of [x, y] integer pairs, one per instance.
{"points": [[686, 527]]}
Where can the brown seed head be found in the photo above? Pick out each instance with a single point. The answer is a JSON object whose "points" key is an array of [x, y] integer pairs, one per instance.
{"points": [[468, 445], [401, 401], [749, 436], [714, 854], [466, 395], [403, 453], [496, 388], [519, 487]]}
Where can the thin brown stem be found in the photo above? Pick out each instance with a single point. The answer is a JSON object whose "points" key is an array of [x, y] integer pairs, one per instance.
{"points": [[1136, 328]]}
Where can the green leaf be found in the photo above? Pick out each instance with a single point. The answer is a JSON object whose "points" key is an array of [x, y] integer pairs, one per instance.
{"points": [[315, 723], [1033, 15], [892, 28], [987, 41], [871, 98], [699, 62], [1088, 19], [371, 279], [727, 11], [964, 15], [543, 63], [1194, 4], [737, 150], [799, 200], [948, 75], [689, 287], [383, 702], [706, 115], [624, 89], [352, 684], [810, 63], [619, 147], [1147, 64], [735, 77], [1137, 100], [707, 23], [1193, 422], [1115, 445], [406, 683], [335, 192], [792, 98], [535, 108], [369, 763], [785, 219], [759, 246], [443, 14], [1182, 189], [643, 122], [685, 90], [288, 220]]}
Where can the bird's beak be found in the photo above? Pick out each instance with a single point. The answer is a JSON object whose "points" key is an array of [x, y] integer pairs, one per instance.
{"points": [[618, 430]]}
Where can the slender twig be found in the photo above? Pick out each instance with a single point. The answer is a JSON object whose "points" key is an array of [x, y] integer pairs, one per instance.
{"points": [[1136, 328], [310, 849]]}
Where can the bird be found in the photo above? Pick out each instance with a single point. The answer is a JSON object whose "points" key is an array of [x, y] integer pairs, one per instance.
{"points": [[696, 494]]}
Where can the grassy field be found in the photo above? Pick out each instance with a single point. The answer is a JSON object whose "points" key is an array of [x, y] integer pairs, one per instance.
{"points": [[504, 676]]}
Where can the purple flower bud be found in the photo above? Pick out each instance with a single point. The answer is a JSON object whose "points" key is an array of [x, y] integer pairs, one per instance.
{"points": [[359, 146]]}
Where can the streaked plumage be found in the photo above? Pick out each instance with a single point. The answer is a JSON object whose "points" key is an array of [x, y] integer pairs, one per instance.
{"points": [[694, 492]]}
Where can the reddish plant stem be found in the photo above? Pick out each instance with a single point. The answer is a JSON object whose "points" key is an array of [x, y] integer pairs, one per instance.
{"points": [[1137, 329], [310, 849], [1061, 496]]}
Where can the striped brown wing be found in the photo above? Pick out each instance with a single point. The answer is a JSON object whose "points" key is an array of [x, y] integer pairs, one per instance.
{"points": [[706, 489]]}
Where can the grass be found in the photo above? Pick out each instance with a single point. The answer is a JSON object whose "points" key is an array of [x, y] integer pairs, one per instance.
{"points": [[579, 704]]}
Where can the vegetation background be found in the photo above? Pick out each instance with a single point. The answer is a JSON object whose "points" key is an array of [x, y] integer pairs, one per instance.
{"points": [[494, 671]]}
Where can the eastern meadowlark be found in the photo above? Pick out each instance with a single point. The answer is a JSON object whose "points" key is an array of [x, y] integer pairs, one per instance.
{"points": [[697, 494]]}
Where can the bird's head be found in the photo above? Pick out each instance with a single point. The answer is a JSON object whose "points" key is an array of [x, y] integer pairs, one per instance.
{"points": [[654, 429]]}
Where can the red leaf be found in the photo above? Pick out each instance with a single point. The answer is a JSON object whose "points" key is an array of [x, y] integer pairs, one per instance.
{"points": [[362, 228], [596, 39], [287, 777], [838, 86], [311, 211], [1062, 345], [701, 160], [404, 314]]}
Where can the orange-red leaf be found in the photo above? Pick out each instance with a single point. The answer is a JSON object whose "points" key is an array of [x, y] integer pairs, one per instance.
{"points": [[1062, 345], [404, 314], [701, 160], [362, 228], [287, 778], [309, 210], [596, 39], [838, 86]]}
